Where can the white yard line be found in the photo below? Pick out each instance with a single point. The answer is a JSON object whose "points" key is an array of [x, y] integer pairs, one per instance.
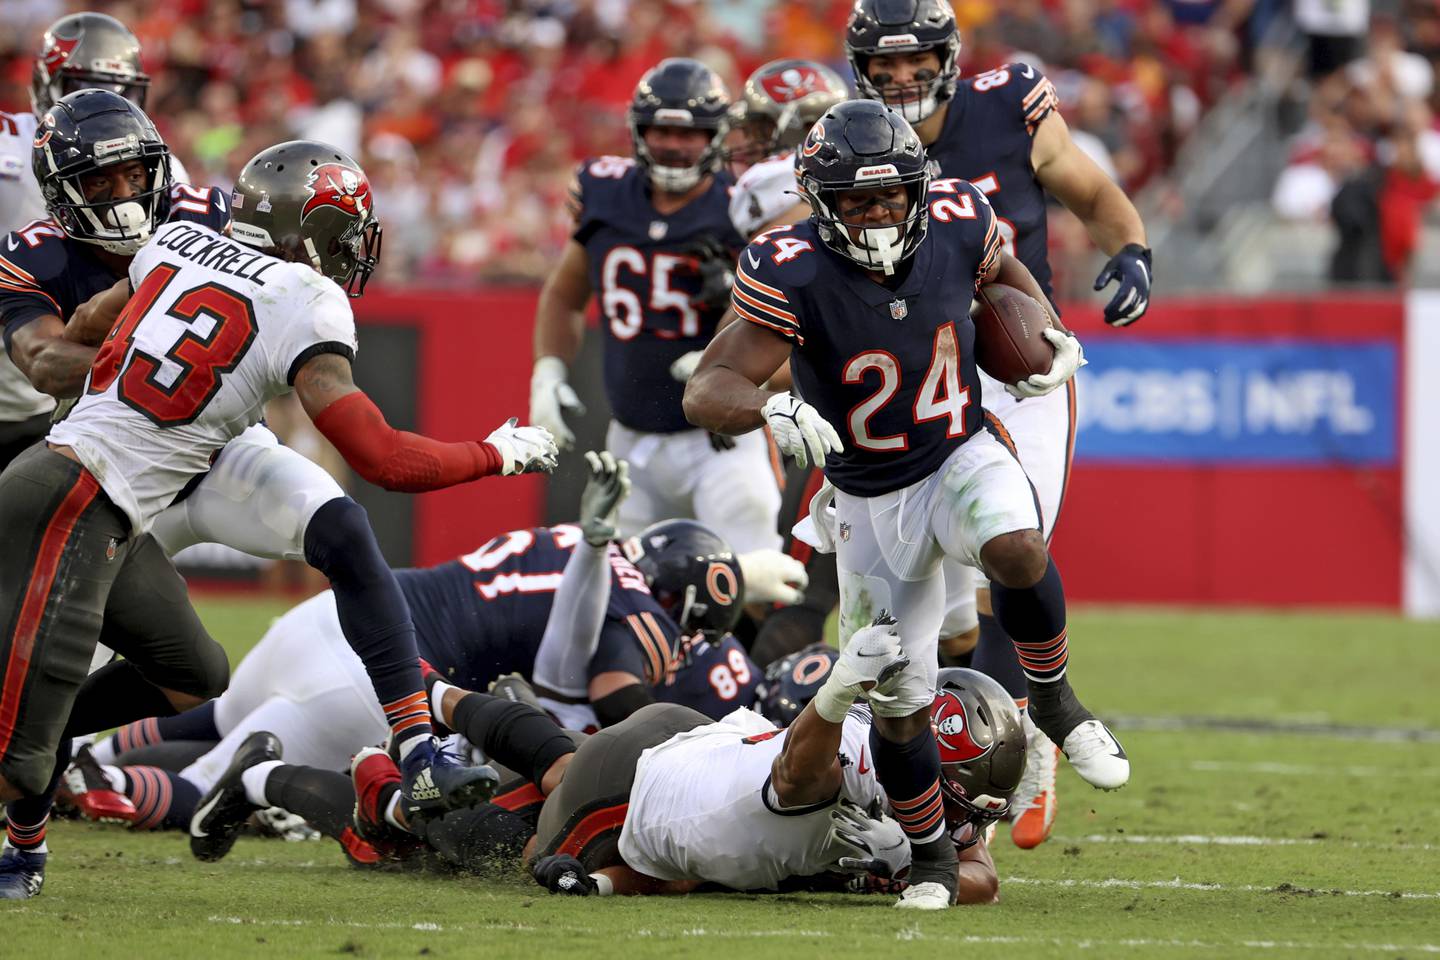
{"points": [[914, 932], [1310, 770], [1200, 840], [1178, 884]]}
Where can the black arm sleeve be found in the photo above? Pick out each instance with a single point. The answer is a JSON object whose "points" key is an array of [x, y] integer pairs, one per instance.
{"points": [[614, 707]]}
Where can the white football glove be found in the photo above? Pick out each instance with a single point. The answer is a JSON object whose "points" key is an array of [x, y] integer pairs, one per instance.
{"points": [[773, 577], [684, 368], [551, 398], [1069, 357], [523, 449], [870, 666], [871, 844], [799, 430], [609, 484]]}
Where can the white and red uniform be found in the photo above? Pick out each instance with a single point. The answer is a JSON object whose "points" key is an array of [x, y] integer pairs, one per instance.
{"points": [[214, 330], [703, 808]]}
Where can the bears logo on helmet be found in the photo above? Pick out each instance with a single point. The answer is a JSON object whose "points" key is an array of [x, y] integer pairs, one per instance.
{"points": [[720, 581], [792, 84], [953, 732], [814, 141], [339, 186]]}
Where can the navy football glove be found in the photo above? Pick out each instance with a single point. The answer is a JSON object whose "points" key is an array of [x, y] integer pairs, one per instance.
{"points": [[716, 265], [1131, 266], [562, 873]]}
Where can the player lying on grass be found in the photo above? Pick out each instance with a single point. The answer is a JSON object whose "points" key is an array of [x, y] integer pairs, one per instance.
{"points": [[667, 801], [600, 635]]}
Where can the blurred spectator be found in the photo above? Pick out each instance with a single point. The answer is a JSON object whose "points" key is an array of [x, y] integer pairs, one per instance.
{"points": [[1308, 185], [1334, 30], [470, 115]]}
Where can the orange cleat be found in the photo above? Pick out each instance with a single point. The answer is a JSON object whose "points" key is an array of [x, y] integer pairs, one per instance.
{"points": [[1033, 806]]}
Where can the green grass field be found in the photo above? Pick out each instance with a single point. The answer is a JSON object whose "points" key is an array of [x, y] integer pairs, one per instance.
{"points": [[1311, 831]]}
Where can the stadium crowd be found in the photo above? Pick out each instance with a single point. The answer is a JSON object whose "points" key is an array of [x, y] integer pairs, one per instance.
{"points": [[470, 114]]}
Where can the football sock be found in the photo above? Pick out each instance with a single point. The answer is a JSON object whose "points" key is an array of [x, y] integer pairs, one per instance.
{"points": [[910, 774], [996, 657], [1034, 618], [115, 694], [253, 778], [515, 734], [194, 724], [161, 798], [325, 798], [27, 817], [478, 840], [373, 615]]}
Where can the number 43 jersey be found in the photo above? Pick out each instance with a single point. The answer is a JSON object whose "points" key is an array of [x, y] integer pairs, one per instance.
{"points": [[890, 366], [213, 331]]}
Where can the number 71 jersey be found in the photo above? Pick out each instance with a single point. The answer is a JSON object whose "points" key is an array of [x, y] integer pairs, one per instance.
{"points": [[213, 331], [891, 367]]}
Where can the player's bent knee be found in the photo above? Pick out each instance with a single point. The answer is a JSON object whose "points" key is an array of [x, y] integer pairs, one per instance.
{"points": [[26, 778], [339, 540], [209, 676], [1017, 559]]}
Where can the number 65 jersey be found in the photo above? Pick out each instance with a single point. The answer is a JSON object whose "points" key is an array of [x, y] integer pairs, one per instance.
{"points": [[213, 330], [891, 367]]}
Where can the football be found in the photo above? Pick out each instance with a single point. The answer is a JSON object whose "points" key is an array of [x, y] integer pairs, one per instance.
{"points": [[1008, 324]]}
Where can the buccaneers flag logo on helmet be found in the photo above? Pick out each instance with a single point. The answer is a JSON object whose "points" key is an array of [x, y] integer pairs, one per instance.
{"points": [[953, 731], [57, 53], [792, 83], [336, 185]]}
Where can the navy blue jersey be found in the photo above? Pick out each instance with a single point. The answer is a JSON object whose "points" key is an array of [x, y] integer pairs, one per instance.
{"points": [[715, 679], [483, 616], [890, 366], [986, 139], [644, 274], [45, 273]]}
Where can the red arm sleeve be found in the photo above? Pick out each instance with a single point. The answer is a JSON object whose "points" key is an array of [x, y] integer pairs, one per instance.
{"points": [[396, 460]]}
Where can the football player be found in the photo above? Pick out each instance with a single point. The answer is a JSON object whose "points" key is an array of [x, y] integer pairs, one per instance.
{"points": [[78, 51], [653, 243], [869, 301], [1003, 131], [207, 338], [599, 635]]}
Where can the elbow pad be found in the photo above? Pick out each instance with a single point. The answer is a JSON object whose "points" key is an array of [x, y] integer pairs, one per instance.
{"points": [[612, 708]]}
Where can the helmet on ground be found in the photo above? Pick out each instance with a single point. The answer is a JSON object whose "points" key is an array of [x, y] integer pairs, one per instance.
{"points": [[982, 747], [693, 574], [792, 682]]}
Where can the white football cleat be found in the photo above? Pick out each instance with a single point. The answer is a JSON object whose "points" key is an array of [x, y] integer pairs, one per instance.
{"points": [[924, 896], [1032, 809], [1097, 756]]}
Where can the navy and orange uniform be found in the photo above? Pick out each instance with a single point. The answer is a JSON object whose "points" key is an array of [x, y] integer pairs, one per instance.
{"points": [[483, 616], [715, 678], [43, 272], [890, 366], [645, 276], [986, 139]]}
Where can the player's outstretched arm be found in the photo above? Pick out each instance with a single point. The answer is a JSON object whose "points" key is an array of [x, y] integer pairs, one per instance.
{"points": [[53, 364], [559, 330], [93, 320], [402, 461]]}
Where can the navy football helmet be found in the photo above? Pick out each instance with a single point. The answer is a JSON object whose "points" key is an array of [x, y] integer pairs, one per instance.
{"points": [[84, 133], [84, 51], [679, 92], [857, 145], [693, 574], [905, 26], [792, 682], [982, 749]]}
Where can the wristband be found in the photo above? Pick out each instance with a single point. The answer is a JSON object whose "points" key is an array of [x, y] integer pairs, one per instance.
{"points": [[833, 700], [603, 886]]}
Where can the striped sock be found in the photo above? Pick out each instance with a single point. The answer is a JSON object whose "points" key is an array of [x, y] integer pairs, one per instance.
{"points": [[409, 719], [1034, 618], [29, 838], [161, 798], [1044, 662], [923, 817]]}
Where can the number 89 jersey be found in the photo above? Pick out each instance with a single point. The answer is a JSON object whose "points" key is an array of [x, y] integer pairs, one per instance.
{"points": [[891, 367], [645, 275], [213, 331]]}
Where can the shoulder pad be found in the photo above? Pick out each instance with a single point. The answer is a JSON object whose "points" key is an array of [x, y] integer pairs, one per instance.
{"points": [[35, 252], [594, 177], [205, 205], [1026, 86], [775, 263]]}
